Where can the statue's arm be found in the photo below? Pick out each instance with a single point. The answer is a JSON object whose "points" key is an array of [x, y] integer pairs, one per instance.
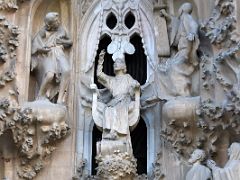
{"points": [[38, 46], [191, 27], [137, 91], [64, 39], [167, 16], [101, 76], [212, 165]]}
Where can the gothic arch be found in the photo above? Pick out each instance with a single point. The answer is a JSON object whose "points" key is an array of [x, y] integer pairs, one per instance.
{"points": [[90, 34]]}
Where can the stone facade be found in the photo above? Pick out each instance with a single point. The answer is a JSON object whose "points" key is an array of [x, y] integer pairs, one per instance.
{"points": [[119, 89]]}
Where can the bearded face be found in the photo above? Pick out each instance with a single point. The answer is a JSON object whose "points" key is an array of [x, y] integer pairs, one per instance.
{"points": [[197, 155]]}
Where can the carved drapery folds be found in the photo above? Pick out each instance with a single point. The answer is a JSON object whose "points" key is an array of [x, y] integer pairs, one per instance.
{"points": [[115, 117]]}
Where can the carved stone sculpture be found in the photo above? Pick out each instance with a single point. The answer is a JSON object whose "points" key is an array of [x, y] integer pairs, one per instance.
{"points": [[120, 112], [198, 170], [175, 79], [231, 170], [36, 133], [115, 118], [41, 123], [175, 75], [10, 4], [49, 59], [190, 91]]}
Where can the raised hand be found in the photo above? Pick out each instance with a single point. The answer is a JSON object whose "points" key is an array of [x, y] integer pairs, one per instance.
{"points": [[190, 37], [211, 164], [101, 57]]}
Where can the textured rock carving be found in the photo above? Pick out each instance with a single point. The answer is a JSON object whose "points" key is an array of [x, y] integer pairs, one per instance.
{"points": [[49, 59], [10, 4], [37, 144], [8, 45], [117, 166], [80, 170], [221, 23]]}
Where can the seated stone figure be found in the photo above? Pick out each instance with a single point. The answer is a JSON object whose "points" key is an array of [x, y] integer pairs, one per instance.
{"points": [[122, 111], [231, 170], [198, 170], [49, 60], [175, 75]]}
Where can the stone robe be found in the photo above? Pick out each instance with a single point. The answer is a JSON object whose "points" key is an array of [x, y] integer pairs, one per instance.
{"points": [[175, 75], [55, 60], [117, 112], [231, 170], [199, 172]]}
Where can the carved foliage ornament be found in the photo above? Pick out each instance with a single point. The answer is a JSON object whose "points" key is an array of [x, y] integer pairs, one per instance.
{"points": [[10, 4], [219, 72]]}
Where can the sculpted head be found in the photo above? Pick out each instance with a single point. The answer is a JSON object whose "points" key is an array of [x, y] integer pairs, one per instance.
{"points": [[197, 155], [185, 8], [226, 8], [120, 65], [234, 151], [52, 21]]}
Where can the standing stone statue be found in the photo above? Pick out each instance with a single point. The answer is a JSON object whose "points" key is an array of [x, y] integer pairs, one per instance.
{"points": [[198, 170], [123, 109], [231, 170], [175, 77], [49, 60], [115, 117]]}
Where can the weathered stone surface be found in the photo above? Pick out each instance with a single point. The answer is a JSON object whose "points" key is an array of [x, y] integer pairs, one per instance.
{"points": [[172, 66]]}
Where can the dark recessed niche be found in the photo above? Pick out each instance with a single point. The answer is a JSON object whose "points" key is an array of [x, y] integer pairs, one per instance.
{"points": [[111, 21], [108, 62], [139, 145], [129, 20], [137, 62], [96, 137]]}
